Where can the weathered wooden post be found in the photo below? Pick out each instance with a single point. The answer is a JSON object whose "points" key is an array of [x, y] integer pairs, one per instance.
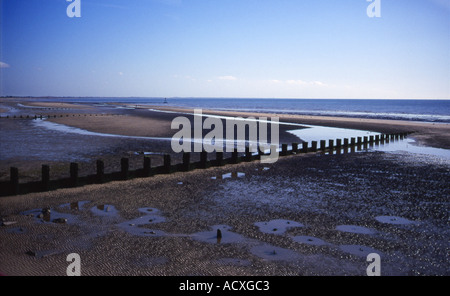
{"points": [[248, 154], [100, 171], [359, 141], [73, 174], [45, 177], [234, 156], [352, 144], [167, 163], [294, 147], [305, 147], [331, 145], [314, 146], [14, 180], [371, 139], [186, 161], [323, 145], [219, 158], [124, 168], [203, 159], [283, 150], [147, 166], [346, 142]]}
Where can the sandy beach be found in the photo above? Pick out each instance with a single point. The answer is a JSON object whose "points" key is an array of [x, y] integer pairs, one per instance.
{"points": [[310, 214]]}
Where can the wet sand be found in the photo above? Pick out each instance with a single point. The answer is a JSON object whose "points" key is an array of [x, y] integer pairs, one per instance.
{"points": [[142, 122], [318, 192], [347, 205]]}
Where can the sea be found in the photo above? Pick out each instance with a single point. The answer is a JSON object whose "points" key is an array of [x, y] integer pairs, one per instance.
{"points": [[437, 111]]}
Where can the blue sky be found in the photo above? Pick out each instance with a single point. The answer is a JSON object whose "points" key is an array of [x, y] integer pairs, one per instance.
{"points": [[226, 48]]}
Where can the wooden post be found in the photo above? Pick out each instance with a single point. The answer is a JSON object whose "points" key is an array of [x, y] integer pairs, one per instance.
{"points": [[345, 142], [14, 180], [100, 171], [314, 146], [167, 163], [234, 156], [371, 139], [338, 143], [360, 141], [186, 161], [352, 142], [74, 173], [323, 145], [219, 158], [248, 154], [305, 147], [124, 167], [45, 177], [147, 166], [203, 159], [284, 150], [294, 147]]}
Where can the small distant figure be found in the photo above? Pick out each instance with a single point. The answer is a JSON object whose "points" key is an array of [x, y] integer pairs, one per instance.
{"points": [[165, 101]]}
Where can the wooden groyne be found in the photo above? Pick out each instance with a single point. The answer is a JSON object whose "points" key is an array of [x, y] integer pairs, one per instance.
{"points": [[14, 187]]}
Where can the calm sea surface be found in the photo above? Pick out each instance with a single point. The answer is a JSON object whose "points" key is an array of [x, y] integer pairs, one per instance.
{"points": [[417, 110]]}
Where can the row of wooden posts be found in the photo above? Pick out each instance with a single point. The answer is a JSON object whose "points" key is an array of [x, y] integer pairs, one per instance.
{"points": [[13, 187], [48, 116]]}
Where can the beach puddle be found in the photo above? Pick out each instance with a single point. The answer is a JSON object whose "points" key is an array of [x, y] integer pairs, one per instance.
{"points": [[410, 146], [355, 229], [137, 226], [269, 252], [74, 206], [104, 210], [233, 175], [49, 125], [219, 234], [278, 226], [310, 240], [358, 250], [318, 133], [48, 215], [395, 220]]}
